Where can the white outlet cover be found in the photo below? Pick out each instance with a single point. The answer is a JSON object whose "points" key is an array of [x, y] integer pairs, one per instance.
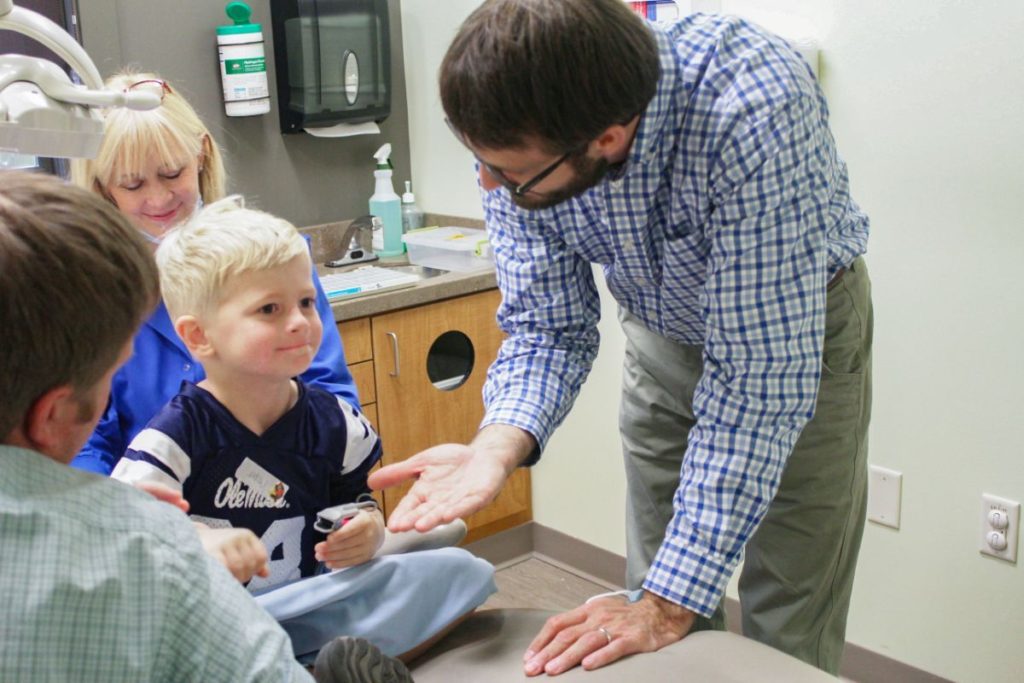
{"points": [[885, 489], [1012, 510]]}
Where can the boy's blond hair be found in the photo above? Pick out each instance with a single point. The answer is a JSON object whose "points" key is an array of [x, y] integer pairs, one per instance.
{"points": [[173, 131], [220, 242]]}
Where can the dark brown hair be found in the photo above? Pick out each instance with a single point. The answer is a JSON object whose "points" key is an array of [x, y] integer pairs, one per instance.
{"points": [[561, 71], [76, 279]]}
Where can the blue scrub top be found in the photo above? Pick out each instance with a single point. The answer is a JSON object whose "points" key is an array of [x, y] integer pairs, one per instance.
{"points": [[159, 364]]}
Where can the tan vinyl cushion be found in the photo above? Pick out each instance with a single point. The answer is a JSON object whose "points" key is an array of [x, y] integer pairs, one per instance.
{"points": [[489, 646]]}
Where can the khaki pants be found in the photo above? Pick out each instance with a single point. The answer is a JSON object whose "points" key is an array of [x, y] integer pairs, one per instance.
{"points": [[797, 577]]}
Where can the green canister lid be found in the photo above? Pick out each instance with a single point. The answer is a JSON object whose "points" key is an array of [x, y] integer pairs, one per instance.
{"points": [[239, 12]]}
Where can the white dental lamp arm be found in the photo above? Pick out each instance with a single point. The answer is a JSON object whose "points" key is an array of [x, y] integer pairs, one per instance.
{"points": [[39, 28], [42, 112], [54, 82]]}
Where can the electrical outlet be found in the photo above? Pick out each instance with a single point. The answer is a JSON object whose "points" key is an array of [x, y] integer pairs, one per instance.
{"points": [[885, 488], [1000, 526]]}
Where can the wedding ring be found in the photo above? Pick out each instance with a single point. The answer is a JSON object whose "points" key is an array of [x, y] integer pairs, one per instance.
{"points": [[607, 635]]}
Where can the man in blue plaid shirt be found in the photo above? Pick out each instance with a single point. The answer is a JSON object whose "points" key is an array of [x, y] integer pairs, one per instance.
{"points": [[695, 164]]}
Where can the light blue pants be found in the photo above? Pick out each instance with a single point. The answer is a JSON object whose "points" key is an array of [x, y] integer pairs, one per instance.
{"points": [[396, 601]]}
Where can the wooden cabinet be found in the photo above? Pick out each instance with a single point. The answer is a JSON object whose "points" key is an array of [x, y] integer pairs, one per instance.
{"points": [[428, 366]]}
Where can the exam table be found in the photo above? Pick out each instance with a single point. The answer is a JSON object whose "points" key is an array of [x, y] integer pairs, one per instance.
{"points": [[489, 646]]}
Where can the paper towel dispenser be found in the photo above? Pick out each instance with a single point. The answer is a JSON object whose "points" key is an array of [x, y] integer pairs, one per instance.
{"points": [[333, 62]]}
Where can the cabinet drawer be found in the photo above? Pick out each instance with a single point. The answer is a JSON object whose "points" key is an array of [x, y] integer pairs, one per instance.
{"points": [[355, 337], [362, 373]]}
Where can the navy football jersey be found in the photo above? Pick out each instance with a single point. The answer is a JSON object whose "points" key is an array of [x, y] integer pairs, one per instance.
{"points": [[317, 454]]}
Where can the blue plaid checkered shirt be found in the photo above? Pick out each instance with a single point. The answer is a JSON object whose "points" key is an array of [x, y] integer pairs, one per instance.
{"points": [[722, 228]]}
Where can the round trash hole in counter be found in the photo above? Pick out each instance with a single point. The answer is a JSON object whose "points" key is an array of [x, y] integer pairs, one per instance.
{"points": [[450, 360]]}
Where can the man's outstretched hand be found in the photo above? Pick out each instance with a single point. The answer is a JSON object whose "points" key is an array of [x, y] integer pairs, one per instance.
{"points": [[453, 480]]}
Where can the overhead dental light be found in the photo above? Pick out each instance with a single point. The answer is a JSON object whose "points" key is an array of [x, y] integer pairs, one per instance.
{"points": [[42, 113]]}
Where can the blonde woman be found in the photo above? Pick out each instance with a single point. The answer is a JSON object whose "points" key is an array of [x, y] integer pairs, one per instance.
{"points": [[157, 167]]}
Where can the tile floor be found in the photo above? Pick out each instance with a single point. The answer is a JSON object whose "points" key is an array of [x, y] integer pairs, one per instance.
{"points": [[532, 582]]}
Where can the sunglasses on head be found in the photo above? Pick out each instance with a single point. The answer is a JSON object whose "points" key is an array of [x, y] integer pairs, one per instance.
{"points": [[152, 85]]}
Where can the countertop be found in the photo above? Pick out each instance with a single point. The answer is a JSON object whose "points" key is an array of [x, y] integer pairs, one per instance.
{"points": [[325, 243], [426, 291]]}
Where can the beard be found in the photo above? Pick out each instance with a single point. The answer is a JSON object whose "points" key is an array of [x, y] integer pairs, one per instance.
{"points": [[588, 173]]}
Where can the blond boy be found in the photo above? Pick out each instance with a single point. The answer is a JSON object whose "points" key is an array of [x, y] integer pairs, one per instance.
{"points": [[251, 446]]}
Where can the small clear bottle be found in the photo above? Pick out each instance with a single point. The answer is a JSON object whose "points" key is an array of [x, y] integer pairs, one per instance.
{"points": [[412, 216]]}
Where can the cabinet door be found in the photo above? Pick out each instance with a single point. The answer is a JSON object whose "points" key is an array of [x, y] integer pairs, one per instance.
{"points": [[428, 393]]}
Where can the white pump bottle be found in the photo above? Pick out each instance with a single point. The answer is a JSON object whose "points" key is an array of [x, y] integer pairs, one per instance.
{"points": [[387, 206]]}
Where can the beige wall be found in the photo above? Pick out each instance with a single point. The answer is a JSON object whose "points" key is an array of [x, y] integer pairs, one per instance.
{"points": [[927, 99]]}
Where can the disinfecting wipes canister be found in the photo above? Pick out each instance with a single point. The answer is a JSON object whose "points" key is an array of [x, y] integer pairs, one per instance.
{"points": [[243, 64]]}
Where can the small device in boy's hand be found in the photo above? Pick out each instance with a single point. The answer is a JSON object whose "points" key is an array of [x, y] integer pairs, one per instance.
{"points": [[332, 518]]}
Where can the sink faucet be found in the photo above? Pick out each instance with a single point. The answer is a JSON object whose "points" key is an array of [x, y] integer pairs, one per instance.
{"points": [[358, 241]]}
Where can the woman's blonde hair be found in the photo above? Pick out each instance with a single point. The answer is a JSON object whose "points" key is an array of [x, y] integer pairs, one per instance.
{"points": [[224, 239], [173, 130]]}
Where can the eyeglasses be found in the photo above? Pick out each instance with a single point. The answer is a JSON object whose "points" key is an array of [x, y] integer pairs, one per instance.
{"points": [[517, 189], [157, 87]]}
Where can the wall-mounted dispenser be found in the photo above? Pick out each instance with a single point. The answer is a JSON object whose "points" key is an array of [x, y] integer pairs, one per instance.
{"points": [[333, 62], [243, 67]]}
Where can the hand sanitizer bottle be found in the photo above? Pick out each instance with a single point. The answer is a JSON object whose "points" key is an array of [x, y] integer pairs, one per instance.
{"points": [[387, 206], [412, 217]]}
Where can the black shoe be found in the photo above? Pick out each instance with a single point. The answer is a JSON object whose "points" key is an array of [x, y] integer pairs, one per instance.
{"points": [[348, 659]]}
